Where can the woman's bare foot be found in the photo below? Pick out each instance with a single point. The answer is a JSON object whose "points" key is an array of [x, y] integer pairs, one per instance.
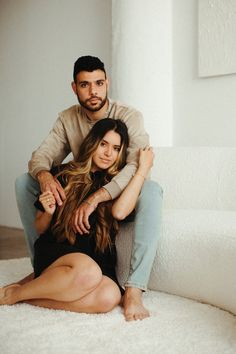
{"points": [[133, 305], [7, 294]]}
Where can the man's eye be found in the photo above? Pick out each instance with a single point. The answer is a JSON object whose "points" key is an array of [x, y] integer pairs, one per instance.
{"points": [[100, 83], [83, 85]]}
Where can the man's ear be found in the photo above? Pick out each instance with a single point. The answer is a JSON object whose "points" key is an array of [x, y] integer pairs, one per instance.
{"points": [[108, 83], [73, 85]]}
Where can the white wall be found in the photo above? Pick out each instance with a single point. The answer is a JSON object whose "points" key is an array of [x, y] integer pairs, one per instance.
{"points": [[39, 42], [204, 109], [142, 62]]}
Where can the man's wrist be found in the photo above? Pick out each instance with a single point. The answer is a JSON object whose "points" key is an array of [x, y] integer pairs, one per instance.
{"points": [[90, 204], [42, 174], [101, 195]]}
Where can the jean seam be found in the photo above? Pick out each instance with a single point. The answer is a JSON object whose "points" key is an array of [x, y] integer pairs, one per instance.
{"points": [[135, 285]]}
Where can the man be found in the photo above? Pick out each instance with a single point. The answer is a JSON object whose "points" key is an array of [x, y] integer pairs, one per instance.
{"points": [[90, 85]]}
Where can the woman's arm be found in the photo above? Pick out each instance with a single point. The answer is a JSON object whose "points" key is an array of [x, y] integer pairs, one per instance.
{"points": [[138, 139], [43, 219], [126, 202]]}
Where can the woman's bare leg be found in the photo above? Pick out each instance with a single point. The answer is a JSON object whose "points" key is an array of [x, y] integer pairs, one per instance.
{"points": [[102, 299], [69, 278], [24, 280]]}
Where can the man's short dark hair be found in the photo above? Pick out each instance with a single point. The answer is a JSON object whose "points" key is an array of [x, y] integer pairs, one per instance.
{"points": [[87, 63]]}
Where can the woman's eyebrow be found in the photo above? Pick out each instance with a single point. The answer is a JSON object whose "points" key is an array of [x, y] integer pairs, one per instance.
{"points": [[107, 142]]}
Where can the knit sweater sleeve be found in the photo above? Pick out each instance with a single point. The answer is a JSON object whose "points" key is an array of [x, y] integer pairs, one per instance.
{"points": [[138, 138], [52, 151]]}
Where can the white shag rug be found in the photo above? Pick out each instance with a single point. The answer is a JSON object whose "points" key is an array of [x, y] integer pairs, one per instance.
{"points": [[177, 325]]}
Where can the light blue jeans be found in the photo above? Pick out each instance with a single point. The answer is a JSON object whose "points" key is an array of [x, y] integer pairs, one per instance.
{"points": [[147, 225]]}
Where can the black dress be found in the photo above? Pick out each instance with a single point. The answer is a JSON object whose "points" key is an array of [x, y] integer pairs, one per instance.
{"points": [[47, 249]]}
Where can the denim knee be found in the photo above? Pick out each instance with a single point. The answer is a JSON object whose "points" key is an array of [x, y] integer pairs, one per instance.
{"points": [[25, 183], [21, 184], [151, 188]]}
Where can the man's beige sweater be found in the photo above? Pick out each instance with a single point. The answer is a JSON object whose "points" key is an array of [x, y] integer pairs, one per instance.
{"points": [[70, 129]]}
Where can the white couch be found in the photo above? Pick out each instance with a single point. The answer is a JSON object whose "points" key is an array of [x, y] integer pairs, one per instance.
{"points": [[196, 256]]}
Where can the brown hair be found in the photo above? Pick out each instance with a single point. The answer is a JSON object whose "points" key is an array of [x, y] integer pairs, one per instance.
{"points": [[79, 184]]}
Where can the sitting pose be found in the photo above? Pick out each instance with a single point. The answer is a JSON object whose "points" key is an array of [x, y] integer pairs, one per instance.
{"points": [[90, 85], [74, 271]]}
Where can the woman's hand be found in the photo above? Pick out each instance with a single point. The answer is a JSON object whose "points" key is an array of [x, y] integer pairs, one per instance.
{"points": [[146, 157], [48, 201]]}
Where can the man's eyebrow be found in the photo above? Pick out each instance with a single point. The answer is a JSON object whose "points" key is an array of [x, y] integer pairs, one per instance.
{"points": [[87, 82]]}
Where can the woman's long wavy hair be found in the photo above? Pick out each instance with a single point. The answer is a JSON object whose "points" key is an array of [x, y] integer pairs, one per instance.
{"points": [[79, 184]]}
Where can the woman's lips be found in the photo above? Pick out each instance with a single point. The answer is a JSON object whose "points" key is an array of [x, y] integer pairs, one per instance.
{"points": [[105, 160]]}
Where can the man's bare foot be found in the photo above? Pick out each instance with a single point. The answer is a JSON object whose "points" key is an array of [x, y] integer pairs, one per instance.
{"points": [[133, 305], [7, 294]]}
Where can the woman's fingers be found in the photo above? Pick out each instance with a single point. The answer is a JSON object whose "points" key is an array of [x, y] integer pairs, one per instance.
{"points": [[47, 199]]}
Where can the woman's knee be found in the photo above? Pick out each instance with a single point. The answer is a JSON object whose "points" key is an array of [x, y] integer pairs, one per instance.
{"points": [[87, 273], [108, 297]]}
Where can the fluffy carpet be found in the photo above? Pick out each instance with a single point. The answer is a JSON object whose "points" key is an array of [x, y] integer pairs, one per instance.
{"points": [[177, 325]]}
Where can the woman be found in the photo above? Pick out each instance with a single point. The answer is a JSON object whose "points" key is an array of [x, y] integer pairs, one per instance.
{"points": [[77, 272]]}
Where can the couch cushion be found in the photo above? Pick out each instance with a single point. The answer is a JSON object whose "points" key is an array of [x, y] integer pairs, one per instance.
{"points": [[196, 177], [196, 256]]}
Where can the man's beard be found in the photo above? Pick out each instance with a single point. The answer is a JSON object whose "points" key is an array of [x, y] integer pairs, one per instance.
{"points": [[90, 108]]}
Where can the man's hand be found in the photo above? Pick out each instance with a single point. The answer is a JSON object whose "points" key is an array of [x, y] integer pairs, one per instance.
{"points": [[49, 184], [80, 219]]}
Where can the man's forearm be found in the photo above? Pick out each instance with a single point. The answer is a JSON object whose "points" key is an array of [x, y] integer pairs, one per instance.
{"points": [[101, 195], [43, 175], [44, 178]]}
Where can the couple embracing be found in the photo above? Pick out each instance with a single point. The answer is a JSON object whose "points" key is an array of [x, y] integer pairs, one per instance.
{"points": [[72, 212]]}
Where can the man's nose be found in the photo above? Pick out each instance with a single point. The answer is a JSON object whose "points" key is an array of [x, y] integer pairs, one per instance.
{"points": [[93, 89]]}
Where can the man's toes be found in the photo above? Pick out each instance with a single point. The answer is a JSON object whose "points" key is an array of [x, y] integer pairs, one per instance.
{"points": [[144, 315], [129, 317], [2, 295], [138, 316]]}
